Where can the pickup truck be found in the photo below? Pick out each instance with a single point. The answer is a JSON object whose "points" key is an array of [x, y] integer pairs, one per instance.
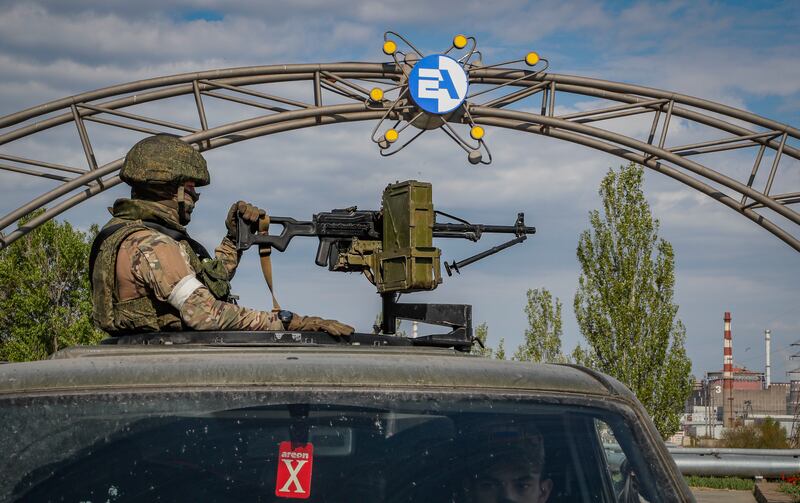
{"points": [[295, 416]]}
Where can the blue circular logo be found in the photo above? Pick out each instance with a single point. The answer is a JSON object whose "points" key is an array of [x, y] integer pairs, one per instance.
{"points": [[438, 84]]}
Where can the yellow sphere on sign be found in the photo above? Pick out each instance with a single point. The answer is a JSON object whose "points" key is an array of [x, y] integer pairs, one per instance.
{"points": [[476, 132], [532, 58], [389, 47], [376, 94], [391, 135], [459, 41]]}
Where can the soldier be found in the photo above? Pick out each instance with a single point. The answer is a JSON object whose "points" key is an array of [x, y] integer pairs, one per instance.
{"points": [[149, 275]]}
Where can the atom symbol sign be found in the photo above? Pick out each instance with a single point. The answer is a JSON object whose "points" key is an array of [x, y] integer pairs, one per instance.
{"points": [[434, 94]]}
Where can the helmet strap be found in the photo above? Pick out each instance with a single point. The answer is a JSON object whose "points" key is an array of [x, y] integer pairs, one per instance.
{"points": [[185, 206]]}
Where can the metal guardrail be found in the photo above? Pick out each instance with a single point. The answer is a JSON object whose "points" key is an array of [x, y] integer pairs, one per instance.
{"points": [[724, 462], [718, 462], [720, 451], [736, 465]]}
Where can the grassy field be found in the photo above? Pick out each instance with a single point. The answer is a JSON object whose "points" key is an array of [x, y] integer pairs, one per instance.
{"points": [[735, 483]]}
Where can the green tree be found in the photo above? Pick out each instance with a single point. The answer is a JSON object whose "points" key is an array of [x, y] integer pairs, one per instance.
{"points": [[543, 335], [482, 334], [773, 435], [500, 352], [45, 299], [767, 434], [624, 305], [482, 349]]}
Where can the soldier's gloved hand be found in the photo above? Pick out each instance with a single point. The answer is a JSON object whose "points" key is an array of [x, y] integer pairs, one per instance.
{"points": [[250, 214], [317, 324]]}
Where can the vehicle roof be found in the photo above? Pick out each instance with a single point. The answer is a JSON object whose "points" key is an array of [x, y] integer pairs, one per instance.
{"points": [[93, 367]]}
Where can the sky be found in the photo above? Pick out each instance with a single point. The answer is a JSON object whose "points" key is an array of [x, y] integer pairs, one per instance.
{"points": [[742, 54]]}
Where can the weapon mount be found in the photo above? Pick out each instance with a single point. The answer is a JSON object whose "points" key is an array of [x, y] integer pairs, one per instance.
{"points": [[393, 248]]}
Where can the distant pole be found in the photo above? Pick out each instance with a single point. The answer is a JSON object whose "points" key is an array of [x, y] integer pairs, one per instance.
{"points": [[709, 429], [727, 371], [767, 369]]}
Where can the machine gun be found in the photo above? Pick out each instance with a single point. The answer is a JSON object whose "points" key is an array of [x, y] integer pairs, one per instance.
{"points": [[393, 248]]}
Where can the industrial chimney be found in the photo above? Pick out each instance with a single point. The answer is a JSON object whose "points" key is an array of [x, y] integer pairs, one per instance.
{"points": [[727, 372], [767, 369]]}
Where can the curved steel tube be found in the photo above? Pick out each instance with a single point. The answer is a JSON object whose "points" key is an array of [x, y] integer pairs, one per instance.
{"points": [[656, 166], [255, 132], [524, 117], [376, 70], [94, 175], [87, 106]]}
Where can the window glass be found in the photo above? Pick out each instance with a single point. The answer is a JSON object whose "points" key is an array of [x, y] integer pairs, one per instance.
{"points": [[326, 446], [621, 472]]}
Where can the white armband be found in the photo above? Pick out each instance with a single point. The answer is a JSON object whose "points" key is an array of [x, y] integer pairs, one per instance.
{"points": [[182, 290]]}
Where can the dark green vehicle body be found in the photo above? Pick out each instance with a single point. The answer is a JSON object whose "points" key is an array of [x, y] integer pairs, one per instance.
{"points": [[187, 422]]}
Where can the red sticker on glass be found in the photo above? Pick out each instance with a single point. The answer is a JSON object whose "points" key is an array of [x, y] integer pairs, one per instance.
{"points": [[294, 470]]}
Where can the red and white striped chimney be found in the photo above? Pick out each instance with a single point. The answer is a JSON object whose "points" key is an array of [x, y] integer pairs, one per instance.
{"points": [[727, 371]]}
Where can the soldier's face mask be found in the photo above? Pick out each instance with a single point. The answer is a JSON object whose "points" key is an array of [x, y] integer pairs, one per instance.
{"points": [[187, 197], [181, 198]]}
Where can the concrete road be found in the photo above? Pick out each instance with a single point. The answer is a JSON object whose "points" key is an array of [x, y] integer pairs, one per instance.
{"points": [[704, 495]]}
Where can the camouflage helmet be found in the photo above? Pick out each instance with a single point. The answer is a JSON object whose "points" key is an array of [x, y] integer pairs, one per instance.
{"points": [[164, 158]]}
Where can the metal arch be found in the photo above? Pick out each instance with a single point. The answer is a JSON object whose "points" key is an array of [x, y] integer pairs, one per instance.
{"points": [[112, 106]]}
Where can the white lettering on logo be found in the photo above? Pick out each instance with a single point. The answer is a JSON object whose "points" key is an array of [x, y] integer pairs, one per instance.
{"points": [[298, 489], [445, 83], [429, 83]]}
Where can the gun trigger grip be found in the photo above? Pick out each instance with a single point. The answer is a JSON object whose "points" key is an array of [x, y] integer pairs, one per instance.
{"points": [[244, 238], [323, 251]]}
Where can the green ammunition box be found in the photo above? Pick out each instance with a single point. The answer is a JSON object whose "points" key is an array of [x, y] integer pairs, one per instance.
{"points": [[409, 262]]}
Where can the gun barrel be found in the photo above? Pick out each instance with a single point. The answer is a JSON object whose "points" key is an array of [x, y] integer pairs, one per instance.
{"points": [[458, 230]]}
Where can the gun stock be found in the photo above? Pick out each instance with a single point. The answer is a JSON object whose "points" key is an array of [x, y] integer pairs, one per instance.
{"points": [[291, 228]]}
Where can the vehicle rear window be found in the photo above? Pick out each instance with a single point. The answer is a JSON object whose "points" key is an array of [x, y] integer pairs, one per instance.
{"points": [[240, 445]]}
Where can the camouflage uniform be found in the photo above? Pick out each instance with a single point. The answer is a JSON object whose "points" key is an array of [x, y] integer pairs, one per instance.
{"points": [[148, 275], [154, 273]]}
